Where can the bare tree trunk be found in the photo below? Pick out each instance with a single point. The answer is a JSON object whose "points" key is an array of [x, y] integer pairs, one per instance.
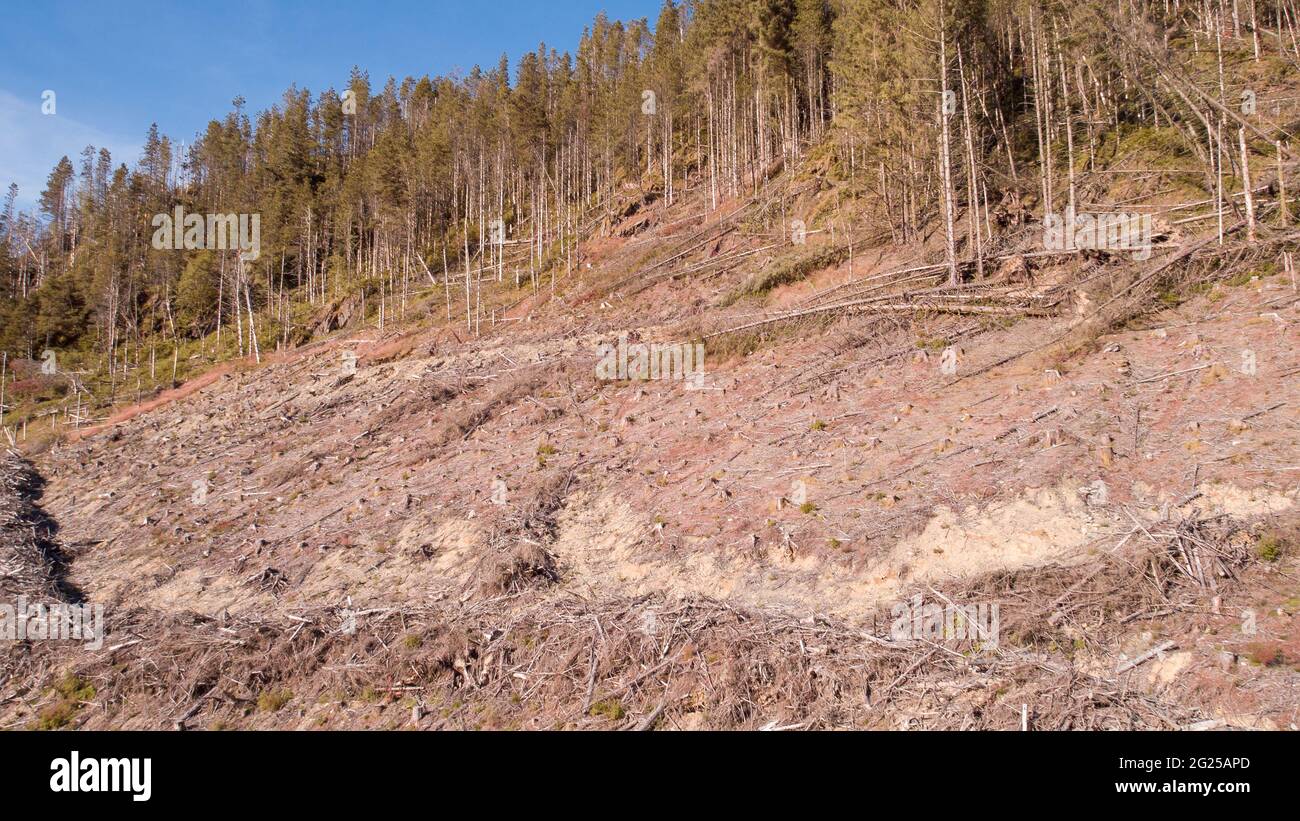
{"points": [[252, 328], [446, 279], [1069, 121], [1283, 207], [1245, 178], [972, 201], [469, 307], [946, 158], [221, 298]]}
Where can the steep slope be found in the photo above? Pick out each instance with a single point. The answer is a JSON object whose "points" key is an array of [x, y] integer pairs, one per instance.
{"points": [[468, 521], [482, 533]]}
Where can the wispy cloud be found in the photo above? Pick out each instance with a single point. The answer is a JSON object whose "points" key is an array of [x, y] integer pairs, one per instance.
{"points": [[31, 143]]}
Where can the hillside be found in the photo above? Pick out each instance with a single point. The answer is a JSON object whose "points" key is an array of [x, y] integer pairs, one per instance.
{"points": [[411, 519]]}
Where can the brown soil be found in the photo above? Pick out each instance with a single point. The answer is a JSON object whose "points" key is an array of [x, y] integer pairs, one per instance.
{"points": [[725, 557]]}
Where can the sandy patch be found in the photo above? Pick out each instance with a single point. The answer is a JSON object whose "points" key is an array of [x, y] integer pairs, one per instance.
{"points": [[1217, 498], [606, 548]]}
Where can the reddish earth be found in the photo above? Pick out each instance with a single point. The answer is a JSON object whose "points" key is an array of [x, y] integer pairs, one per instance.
{"points": [[479, 499]]}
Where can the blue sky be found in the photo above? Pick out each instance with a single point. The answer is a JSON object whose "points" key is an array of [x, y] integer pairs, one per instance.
{"points": [[116, 67]]}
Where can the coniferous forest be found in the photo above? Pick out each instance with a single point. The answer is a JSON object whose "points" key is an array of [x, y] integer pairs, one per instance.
{"points": [[770, 365], [385, 191]]}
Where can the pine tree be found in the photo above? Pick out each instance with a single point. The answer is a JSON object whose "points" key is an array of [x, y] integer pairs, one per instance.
{"points": [[197, 294]]}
